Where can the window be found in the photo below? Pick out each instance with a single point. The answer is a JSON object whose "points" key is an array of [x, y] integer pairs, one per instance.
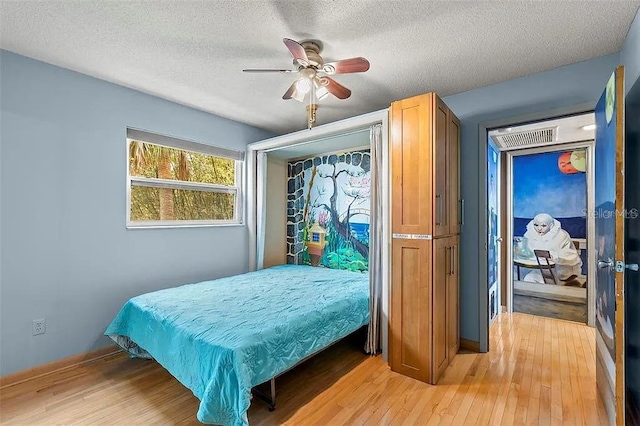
{"points": [[172, 182]]}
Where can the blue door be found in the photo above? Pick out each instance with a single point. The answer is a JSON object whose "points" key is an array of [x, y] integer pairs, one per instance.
{"points": [[610, 221], [632, 244]]}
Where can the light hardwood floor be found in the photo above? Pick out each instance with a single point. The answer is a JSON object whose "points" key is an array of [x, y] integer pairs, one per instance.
{"points": [[539, 371]]}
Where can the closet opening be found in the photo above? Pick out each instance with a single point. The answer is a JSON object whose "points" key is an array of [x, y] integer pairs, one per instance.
{"points": [[319, 197], [322, 190], [540, 189]]}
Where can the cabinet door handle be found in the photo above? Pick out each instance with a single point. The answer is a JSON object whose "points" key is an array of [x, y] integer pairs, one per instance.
{"points": [[453, 260], [447, 264], [461, 217], [438, 209]]}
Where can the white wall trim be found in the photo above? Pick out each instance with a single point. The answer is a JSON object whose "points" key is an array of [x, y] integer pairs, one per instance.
{"points": [[261, 198], [330, 129], [592, 254]]}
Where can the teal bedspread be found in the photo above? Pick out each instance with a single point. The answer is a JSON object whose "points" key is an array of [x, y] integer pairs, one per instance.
{"points": [[221, 338]]}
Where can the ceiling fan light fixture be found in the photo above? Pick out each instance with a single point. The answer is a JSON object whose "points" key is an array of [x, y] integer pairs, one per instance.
{"points": [[298, 96], [314, 74], [303, 85], [321, 88], [322, 92]]}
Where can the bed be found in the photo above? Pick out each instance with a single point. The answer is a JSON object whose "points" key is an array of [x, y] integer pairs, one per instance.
{"points": [[221, 338]]}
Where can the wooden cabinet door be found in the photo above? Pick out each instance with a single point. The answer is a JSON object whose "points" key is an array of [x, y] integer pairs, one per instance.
{"points": [[453, 145], [411, 165], [410, 316], [441, 272], [424, 169], [441, 169], [453, 299], [412, 213]]}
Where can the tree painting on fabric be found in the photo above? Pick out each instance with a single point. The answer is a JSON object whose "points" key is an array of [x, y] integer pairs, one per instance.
{"points": [[328, 211]]}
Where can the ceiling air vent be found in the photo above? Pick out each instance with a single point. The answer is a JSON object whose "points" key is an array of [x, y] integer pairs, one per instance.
{"points": [[528, 139]]}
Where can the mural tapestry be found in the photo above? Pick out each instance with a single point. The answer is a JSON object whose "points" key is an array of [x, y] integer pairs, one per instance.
{"points": [[328, 206], [550, 215]]}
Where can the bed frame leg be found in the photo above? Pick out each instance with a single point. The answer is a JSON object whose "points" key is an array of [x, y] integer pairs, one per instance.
{"points": [[270, 400], [272, 406]]}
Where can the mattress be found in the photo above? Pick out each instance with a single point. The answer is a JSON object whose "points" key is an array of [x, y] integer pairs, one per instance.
{"points": [[221, 338]]}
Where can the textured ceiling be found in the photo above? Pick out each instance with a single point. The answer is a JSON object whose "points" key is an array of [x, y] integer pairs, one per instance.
{"points": [[192, 52]]}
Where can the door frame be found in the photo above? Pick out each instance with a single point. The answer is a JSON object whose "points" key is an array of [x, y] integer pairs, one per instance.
{"points": [[500, 230], [620, 249], [591, 227], [483, 242]]}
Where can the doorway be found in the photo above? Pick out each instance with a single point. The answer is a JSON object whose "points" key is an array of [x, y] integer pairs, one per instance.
{"points": [[542, 247], [610, 250]]}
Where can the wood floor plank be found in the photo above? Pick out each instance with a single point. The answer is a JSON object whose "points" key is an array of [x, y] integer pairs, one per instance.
{"points": [[539, 371], [544, 412], [507, 362], [556, 383]]}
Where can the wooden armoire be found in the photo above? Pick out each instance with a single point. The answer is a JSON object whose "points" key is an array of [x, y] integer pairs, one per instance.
{"points": [[426, 210]]}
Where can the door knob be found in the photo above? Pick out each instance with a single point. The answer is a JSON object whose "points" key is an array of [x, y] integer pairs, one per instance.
{"points": [[604, 264], [620, 266], [499, 239]]}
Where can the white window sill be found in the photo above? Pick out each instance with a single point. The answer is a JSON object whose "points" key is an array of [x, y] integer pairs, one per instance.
{"points": [[138, 225]]}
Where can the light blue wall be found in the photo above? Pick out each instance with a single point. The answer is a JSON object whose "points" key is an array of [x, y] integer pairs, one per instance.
{"points": [[66, 254], [561, 87], [630, 54]]}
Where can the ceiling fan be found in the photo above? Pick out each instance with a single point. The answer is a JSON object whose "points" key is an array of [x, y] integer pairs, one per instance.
{"points": [[314, 72]]}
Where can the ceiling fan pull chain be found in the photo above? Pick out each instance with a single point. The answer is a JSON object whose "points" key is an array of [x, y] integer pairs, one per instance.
{"points": [[311, 115], [312, 108]]}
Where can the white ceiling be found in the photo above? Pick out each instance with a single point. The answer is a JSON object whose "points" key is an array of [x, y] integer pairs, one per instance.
{"points": [[567, 130], [192, 52]]}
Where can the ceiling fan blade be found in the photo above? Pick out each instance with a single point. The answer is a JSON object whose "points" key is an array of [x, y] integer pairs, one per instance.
{"points": [[346, 66], [335, 88], [293, 93], [289, 93], [297, 51], [266, 70]]}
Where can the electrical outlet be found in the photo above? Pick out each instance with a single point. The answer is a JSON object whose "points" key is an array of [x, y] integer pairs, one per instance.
{"points": [[39, 326]]}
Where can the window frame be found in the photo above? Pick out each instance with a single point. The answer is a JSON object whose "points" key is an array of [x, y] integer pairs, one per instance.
{"points": [[190, 146]]}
